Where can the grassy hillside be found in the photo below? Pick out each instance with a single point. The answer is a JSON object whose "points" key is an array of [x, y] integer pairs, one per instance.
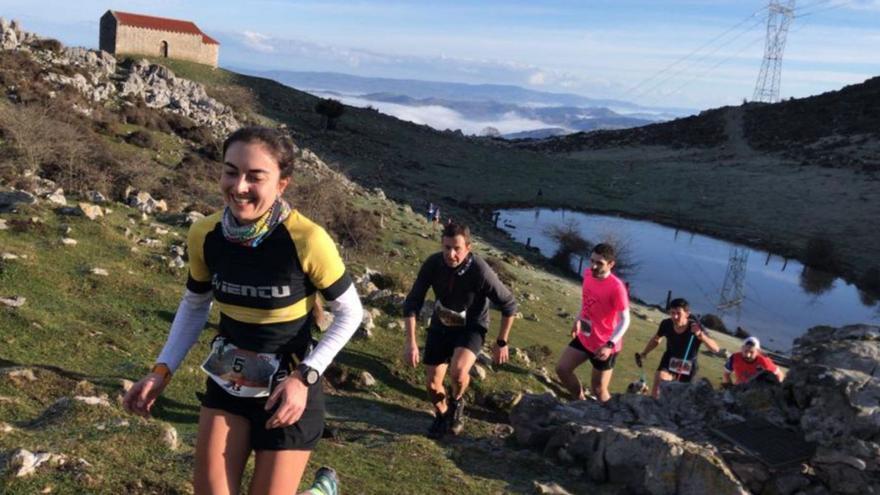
{"points": [[81, 334], [749, 174]]}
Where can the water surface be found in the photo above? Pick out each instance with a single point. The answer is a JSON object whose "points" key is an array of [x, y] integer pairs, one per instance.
{"points": [[771, 297]]}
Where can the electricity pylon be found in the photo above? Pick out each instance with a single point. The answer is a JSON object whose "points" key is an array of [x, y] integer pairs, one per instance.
{"points": [[732, 290], [780, 15]]}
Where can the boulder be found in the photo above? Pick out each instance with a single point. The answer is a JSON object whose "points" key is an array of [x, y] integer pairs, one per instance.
{"points": [[57, 197], [145, 203], [90, 211], [25, 463], [478, 372], [13, 301], [10, 200], [170, 437]]}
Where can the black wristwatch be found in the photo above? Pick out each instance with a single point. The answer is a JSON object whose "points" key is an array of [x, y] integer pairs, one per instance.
{"points": [[310, 376], [501, 343]]}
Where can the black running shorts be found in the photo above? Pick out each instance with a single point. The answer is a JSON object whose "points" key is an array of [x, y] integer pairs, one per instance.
{"points": [[442, 341], [302, 435], [597, 363]]}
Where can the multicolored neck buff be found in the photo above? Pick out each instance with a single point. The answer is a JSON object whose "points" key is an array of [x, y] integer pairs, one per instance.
{"points": [[253, 234]]}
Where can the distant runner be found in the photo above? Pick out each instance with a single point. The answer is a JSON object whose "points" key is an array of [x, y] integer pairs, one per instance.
{"points": [[748, 363], [683, 335], [597, 334], [463, 285]]}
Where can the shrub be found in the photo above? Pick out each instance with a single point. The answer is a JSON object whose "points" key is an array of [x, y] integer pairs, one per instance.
{"points": [[820, 254], [142, 139], [331, 110], [328, 204], [47, 44]]}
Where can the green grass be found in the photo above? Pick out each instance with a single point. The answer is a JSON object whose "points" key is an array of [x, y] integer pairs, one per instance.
{"points": [[82, 333]]}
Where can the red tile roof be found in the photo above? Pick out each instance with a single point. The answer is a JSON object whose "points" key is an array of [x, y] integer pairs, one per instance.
{"points": [[161, 24]]}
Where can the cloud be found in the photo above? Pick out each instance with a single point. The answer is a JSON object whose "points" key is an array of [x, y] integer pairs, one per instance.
{"points": [[258, 42], [537, 79], [440, 117]]}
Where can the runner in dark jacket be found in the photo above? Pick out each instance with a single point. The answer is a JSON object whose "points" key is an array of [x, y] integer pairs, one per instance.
{"points": [[464, 285]]}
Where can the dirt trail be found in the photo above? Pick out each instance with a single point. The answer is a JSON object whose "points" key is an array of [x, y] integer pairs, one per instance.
{"points": [[733, 127]]}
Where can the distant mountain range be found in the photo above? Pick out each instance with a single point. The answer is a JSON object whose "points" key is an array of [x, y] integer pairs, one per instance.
{"points": [[552, 113]]}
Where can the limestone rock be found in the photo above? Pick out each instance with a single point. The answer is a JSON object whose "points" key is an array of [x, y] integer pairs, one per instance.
{"points": [[169, 437], [365, 331], [193, 217], [145, 203], [96, 197], [9, 200], [366, 380], [22, 375], [101, 272], [13, 302], [176, 263], [90, 211], [478, 372], [550, 488], [93, 400], [24, 462], [67, 241], [57, 197]]}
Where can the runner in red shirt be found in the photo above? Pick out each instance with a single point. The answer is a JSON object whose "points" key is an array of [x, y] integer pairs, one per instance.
{"points": [[749, 363], [597, 334]]}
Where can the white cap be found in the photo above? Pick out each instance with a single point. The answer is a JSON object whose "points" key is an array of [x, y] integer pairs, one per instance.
{"points": [[752, 341]]}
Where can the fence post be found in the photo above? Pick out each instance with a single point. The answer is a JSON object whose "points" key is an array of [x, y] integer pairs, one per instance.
{"points": [[668, 299]]}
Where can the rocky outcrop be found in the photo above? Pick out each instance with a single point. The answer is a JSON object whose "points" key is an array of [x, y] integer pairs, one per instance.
{"points": [[93, 73], [831, 397], [158, 87]]}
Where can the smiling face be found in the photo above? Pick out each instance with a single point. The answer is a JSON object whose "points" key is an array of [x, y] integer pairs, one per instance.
{"points": [[455, 250], [251, 180]]}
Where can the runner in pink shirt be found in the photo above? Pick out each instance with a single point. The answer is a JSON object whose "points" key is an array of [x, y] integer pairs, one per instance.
{"points": [[597, 334]]}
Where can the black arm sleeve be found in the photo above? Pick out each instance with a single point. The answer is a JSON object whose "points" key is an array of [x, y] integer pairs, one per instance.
{"points": [[497, 292], [416, 297]]}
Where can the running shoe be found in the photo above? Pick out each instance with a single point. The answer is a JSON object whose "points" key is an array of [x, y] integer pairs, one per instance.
{"points": [[326, 482], [455, 415], [438, 427]]}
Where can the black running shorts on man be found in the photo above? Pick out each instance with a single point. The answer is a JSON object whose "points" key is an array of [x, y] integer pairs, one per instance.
{"points": [[442, 340], [597, 363], [468, 288], [265, 295]]}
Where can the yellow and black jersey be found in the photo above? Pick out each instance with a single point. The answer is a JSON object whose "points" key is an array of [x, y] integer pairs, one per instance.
{"points": [[265, 294]]}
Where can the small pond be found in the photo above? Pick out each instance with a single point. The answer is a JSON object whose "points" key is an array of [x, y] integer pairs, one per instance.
{"points": [[773, 298]]}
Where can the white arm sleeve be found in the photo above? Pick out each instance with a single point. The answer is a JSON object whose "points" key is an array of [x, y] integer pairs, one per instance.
{"points": [[186, 327], [347, 317], [622, 326]]}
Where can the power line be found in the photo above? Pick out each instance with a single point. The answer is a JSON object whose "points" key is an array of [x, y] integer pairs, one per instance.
{"points": [[699, 75], [831, 7], [694, 52], [702, 58]]}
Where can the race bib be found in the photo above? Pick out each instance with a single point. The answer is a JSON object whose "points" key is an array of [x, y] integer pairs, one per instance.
{"points": [[240, 372], [681, 366], [449, 317]]}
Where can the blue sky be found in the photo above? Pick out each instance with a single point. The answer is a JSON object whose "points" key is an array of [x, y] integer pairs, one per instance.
{"points": [[604, 48]]}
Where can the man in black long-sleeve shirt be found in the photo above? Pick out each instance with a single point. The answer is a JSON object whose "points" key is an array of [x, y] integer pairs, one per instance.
{"points": [[463, 285]]}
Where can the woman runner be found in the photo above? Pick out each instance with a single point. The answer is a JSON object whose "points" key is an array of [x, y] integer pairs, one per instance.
{"points": [[262, 262]]}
